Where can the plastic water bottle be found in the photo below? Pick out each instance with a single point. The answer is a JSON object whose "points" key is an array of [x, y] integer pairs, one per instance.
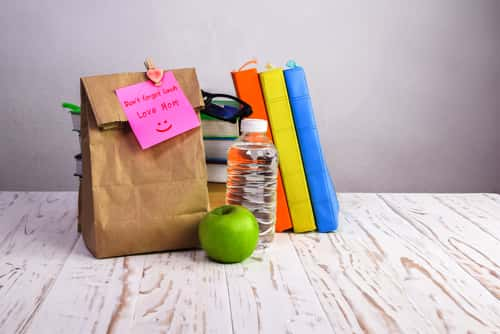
{"points": [[251, 176]]}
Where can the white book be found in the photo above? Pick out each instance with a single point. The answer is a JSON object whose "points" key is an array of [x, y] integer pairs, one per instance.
{"points": [[216, 149], [217, 173], [75, 118], [218, 129]]}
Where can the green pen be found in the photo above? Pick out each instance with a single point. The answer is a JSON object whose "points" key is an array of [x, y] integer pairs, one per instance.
{"points": [[72, 108]]}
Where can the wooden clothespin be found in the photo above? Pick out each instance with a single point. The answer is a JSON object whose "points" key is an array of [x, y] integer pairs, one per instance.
{"points": [[154, 74]]}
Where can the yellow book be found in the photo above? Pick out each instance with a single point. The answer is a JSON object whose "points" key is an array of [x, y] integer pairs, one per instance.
{"points": [[285, 139]]}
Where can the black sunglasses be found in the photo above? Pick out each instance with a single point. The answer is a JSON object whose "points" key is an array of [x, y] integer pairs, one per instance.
{"points": [[225, 112]]}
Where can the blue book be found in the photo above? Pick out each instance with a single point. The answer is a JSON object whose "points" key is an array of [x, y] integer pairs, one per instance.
{"points": [[321, 188]]}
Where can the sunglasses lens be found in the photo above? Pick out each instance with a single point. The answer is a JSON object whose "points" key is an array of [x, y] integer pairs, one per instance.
{"points": [[226, 113], [225, 107]]}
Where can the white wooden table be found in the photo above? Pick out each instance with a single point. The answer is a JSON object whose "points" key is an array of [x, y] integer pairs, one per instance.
{"points": [[400, 263]]}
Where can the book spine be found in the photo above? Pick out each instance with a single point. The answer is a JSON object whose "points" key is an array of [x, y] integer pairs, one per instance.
{"points": [[285, 138], [220, 161], [216, 173], [247, 86], [216, 149], [321, 188]]}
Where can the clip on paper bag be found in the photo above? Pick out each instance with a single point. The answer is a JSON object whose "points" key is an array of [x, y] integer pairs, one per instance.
{"points": [[133, 200]]}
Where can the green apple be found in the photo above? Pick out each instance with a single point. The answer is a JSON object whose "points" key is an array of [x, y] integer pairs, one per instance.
{"points": [[229, 234]]}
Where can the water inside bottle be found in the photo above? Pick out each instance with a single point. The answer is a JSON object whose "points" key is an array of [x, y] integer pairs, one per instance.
{"points": [[252, 169]]}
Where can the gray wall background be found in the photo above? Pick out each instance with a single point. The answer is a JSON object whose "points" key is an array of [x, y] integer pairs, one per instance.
{"points": [[406, 93]]}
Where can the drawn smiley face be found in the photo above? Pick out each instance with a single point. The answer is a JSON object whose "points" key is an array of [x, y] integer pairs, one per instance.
{"points": [[163, 127]]}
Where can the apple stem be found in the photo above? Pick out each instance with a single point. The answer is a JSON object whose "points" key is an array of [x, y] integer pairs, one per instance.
{"points": [[226, 210]]}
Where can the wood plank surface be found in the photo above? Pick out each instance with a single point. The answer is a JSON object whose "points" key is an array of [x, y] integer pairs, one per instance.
{"points": [[482, 210], [357, 272], [468, 275], [401, 263], [91, 296], [37, 233], [385, 275], [270, 293], [182, 292], [472, 246]]}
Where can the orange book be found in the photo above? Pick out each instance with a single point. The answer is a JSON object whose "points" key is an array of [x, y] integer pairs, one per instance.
{"points": [[247, 86]]}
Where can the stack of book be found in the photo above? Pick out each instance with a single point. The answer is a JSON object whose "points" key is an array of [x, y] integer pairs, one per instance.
{"points": [[218, 136], [306, 197], [74, 111]]}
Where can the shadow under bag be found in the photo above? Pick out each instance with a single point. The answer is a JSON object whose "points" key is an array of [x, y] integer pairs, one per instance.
{"points": [[133, 200]]}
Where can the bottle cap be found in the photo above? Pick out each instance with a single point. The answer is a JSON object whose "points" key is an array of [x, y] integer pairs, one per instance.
{"points": [[253, 125]]}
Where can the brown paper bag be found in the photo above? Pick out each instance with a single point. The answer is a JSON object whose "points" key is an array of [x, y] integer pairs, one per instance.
{"points": [[133, 200]]}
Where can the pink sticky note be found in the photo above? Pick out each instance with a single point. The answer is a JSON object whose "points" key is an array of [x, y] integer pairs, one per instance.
{"points": [[157, 113]]}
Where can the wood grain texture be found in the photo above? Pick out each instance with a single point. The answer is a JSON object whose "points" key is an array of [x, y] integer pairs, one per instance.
{"points": [[385, 275], [270, 293], [474, 246], [182, 292], [467, 274], [482, 210], [401, 263], [91, 296], [354, 273], [37, 233]]}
